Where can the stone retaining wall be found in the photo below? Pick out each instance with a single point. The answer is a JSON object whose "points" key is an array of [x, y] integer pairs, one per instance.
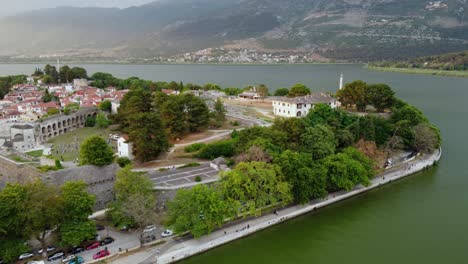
{"points": [[100, 181]]}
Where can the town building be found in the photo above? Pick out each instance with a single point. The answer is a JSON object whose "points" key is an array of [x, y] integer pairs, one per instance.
{"points": [[124, 147], [300, 106]]}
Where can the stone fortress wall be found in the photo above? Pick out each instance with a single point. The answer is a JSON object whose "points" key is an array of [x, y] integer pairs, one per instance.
{"points": [[61, 124], [100, 180]]}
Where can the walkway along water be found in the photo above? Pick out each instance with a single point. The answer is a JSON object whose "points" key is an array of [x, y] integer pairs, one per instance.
{"points": [[195, 246]]}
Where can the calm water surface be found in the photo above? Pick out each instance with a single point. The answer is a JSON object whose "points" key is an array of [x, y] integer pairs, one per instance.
{"points": [[421, 219]]}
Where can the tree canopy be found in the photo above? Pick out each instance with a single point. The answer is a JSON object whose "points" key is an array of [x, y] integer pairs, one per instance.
{"points": [[96, 151], [250, 187], [298, 90], [198, 210], [135, 199]]}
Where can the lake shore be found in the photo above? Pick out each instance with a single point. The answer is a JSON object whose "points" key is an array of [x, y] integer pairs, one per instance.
{"points": [[463, 74], [193, 247]]}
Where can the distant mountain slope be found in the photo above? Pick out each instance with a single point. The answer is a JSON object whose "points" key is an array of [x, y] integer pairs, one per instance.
{"points": [[362, 30], [457, 61]]}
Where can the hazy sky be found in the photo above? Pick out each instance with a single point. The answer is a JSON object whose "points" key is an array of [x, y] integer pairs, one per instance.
{"points": [[10, 7]]}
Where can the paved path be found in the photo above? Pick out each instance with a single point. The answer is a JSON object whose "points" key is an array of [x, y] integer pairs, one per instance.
{"points": [[174, 251], [174, 179], [193, 247]]}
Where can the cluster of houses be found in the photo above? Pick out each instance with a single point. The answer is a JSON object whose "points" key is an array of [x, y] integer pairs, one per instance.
{"points": [[25, 101]]}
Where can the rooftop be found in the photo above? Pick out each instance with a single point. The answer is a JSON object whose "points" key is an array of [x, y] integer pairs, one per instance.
{"points": [[315, 98]]}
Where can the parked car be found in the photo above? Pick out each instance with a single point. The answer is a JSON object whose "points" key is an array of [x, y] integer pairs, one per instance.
{"points": [[101, 254], [149, 229], [48, 249], [93, 246], [69, 258], [167, 233], [107, 241], [76, 250], [77, 260], [36, 262], [56, 255], [25, 256], [100, 227]]}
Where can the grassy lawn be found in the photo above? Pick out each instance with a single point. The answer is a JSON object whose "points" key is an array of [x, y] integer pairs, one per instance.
{"points": [[66, 147], [35, 153], [17, 158]]}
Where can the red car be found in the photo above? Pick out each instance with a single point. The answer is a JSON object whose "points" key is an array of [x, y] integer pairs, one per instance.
{"points": [[101, 254], [93, 246]]}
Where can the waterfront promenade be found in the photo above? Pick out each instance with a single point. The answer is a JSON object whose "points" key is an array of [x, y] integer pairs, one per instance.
{"points": [[175, 251]]}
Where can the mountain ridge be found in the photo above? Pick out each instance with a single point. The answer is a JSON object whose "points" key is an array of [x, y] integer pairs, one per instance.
{"points": [[352, 30]]}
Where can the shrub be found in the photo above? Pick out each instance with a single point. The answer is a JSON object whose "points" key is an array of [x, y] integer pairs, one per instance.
{"points": [[47, 168], [198, 178], [194, 147], [58, 165], [214, 150], [235, 123], [90, 121], [123, 161]]}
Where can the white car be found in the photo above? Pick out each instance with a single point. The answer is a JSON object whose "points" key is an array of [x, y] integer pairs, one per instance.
{"points": [[36, 262], [69, 258], [48, 249], [149, 229], [167, 233], [26, 256]]}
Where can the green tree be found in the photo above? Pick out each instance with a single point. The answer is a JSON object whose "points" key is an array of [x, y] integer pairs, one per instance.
{"points": [[102, 121], [293, 129], [174, 116], [12, 222], [134, 102], [308, 179], [262, 91], [47, 79], [123, 161], [147, 133], [78, 73], [426, 138], [198, 113], [219, 112], [345, 170], [298, 90], [42, 211], [282, 92], [65, 74], [71, 108], [11, 248], [273, 140], [381, 96], [77, 205], [198, 210], [105, 105], [354, 94], [90, 121], [51, 71], [250, 187], [319, 141], [103, 80], [95, 151], [47, 97], [135, 199]]}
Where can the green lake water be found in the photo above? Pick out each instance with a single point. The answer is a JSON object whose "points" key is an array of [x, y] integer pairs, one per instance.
{"points": [[420, 219]]}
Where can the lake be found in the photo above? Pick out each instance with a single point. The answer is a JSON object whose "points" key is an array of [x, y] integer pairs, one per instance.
{"points": [[421, 219]]}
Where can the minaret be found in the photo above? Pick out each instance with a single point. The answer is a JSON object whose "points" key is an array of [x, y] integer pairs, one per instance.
{"points": [[341, 81], [58, 65]]}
